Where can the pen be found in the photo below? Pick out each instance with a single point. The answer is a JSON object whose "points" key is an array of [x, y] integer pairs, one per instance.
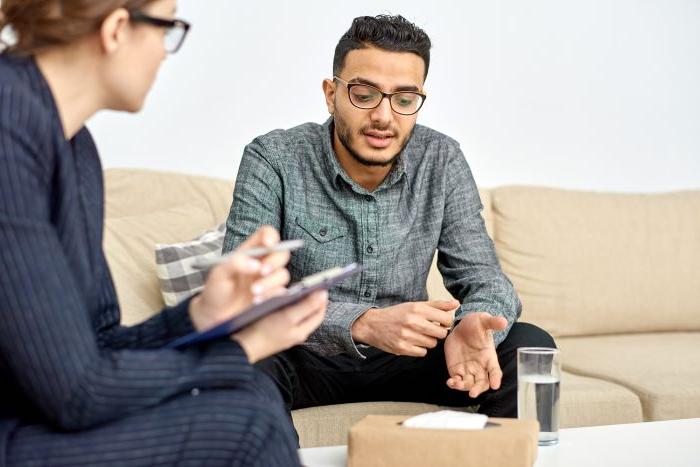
{"points": [[288, 245]]}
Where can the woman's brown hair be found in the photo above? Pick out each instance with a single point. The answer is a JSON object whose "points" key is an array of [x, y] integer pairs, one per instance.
{"points": [[39, 24]]}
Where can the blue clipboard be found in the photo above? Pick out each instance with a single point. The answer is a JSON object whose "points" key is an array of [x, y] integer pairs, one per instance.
{"points": [[295, 293]]}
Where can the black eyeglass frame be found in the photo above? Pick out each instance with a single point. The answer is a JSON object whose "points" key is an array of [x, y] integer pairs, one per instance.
{"points": [[388, 95], [141, 17]]}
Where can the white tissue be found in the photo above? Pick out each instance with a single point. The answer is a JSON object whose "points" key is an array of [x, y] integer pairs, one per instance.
{"points": [[448, 420]]}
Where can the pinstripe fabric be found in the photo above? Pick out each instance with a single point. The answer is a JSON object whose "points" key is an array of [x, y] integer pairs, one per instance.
{"points": [[211, 427], [66, 363]]}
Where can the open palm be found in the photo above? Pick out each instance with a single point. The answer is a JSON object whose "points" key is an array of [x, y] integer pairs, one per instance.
{"points": [[470, 354]]}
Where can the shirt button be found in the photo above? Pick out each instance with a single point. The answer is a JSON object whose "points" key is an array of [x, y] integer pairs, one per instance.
{"points": [[194, 392], [323, 232], [370, 249], [368, 293]]}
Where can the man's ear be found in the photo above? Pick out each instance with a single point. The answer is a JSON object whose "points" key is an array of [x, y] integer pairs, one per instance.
{"points": [[329, 88], [114, 30]]}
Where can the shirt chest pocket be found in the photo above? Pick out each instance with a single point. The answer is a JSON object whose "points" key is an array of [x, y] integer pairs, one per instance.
{"points": [[322, 232], [326, 245]]}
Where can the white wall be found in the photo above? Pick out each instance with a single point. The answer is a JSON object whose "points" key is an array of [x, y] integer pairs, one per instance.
{"points": [[591, 94]]}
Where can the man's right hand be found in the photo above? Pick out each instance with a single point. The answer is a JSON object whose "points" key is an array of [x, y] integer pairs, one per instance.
{"points": [[407, 329]]}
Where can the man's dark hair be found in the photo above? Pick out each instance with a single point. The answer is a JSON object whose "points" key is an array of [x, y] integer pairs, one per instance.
{"points": [[391, 33]]}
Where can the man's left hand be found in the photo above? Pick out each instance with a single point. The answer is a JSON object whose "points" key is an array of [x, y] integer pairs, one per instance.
{"points": [[470, 354]]}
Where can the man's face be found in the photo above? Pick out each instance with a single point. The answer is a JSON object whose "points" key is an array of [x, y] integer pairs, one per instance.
{"points": [[375, 137]]}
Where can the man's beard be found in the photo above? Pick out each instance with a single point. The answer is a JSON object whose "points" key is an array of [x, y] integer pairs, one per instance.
{"points": [[345, 136]]}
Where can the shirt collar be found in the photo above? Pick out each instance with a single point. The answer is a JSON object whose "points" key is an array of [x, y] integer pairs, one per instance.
{"points": [[400, 170], [333, 168]]}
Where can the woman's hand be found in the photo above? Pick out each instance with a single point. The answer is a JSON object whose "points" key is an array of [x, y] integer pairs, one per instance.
{"points": [[284, 328], [236, 284]]}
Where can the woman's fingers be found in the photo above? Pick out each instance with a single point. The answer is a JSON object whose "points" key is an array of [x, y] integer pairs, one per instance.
{"points": [[279, 278], [300, 311], [266, 236], [310, 324], [268, 294], [236, 264], [283, 329], [274, 261], [296, 314]]}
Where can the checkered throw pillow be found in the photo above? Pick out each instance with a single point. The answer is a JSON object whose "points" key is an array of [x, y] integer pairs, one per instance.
{"points": [[176, 274]]}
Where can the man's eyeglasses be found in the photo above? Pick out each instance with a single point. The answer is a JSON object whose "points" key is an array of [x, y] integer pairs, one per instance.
{"points": [[364, 96], [175, 29]]}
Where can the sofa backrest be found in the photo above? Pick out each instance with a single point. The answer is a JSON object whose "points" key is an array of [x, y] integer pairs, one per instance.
{"points": [[599, 263], [582, 263], [143, 208]]}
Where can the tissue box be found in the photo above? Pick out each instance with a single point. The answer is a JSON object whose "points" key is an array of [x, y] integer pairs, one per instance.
{"points": [[381, 441]]}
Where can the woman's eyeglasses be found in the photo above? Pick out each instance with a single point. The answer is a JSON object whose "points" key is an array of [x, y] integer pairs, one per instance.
{"points": [[175, 29]]}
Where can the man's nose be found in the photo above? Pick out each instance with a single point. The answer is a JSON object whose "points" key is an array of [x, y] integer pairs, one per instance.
{"points": [[382, 113]]}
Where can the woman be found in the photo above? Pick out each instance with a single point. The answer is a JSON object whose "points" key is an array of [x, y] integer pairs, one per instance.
{"points": [[78, 388]]}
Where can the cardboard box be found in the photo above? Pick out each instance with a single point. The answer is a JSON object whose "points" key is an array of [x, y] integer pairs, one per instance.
{"points": [[381, 441]]}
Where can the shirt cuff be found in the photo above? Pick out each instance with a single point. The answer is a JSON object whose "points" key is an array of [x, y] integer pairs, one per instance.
{"points": [[334, 336]]}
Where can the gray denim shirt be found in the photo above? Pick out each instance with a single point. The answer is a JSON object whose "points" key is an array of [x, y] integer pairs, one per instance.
{"points": [[291, 179]]}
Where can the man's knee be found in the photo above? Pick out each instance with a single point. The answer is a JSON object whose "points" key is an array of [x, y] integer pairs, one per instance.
{"points": [[528, 335]]}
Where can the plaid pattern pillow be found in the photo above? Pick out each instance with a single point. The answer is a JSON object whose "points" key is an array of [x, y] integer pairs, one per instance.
{"points": [[176, 274]]}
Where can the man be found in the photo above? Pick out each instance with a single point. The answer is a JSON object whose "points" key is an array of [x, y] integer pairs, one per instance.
{"points": [[371, 186]]}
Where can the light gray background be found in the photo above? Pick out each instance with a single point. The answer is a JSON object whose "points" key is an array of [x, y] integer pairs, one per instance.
{"points": [[590, 94]]}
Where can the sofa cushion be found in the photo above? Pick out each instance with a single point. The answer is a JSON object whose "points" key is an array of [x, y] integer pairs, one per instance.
{"points": [[592, 263], [663, 369], [589, 401], [143, 208], [328, 425], [584, 402]]}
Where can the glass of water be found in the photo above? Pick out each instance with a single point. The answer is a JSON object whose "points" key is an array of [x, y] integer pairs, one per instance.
{"points": [[539, 373]]}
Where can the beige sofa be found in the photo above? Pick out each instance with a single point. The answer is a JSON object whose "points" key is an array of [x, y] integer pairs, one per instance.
{"points": [[615, 278]]}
